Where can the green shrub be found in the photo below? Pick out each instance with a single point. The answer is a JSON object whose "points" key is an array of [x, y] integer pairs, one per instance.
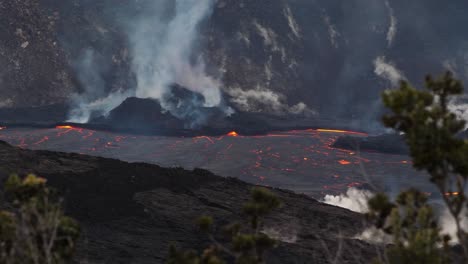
{"points": [[431, 131], [411, 223], [246, 243], [35, 230]]}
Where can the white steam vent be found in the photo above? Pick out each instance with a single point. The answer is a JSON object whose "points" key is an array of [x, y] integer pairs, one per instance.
{"points": [[354, 200], [162, 55]]}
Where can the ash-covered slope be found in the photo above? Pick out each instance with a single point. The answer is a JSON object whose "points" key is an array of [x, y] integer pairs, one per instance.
{"points": [[274, 56], [130, 212], [335, 56], [34, 69]]}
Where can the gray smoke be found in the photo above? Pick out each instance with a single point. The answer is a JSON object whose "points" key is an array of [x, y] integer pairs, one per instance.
{"points": [[84, 109], [354, 199], [162, 40], [392, 29], [459, 106], [94, 100], [388, 71], [162, 53], [448, 225], [263, 99], [357, 200]]}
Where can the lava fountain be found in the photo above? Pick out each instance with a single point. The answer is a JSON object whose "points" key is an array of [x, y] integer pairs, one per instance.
{"points": [[64, 127], [233, 134]]}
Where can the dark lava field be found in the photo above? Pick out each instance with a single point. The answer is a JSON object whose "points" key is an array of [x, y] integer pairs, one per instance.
{"points": [[300, 160]]}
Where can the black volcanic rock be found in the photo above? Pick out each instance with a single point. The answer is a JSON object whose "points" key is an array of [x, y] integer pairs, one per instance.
{"points": [[183, 110], [190, 107], [180, 96], [32, 115], [34, 71], [131, 212], [140, 114], [386, 143]]}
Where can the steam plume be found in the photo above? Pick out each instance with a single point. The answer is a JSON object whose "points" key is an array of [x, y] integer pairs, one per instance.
{"points": [[447, 223], [459, 106], [354, 200], [93, 100], [388, 71], [161, 48], [162, 53], [392, 29], [262, 99]]}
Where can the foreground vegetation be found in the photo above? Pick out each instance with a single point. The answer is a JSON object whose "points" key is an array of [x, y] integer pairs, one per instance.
{"points": [[246, 242], [34, 229], [431, 132]]}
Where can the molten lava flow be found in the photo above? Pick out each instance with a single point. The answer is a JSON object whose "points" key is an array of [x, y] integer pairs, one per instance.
{"points": [[303, 160], [68, 128], [44, 139], [341, 132], [64, 127], [233, 134], [452, 194], [204, 137], [344, 162]]}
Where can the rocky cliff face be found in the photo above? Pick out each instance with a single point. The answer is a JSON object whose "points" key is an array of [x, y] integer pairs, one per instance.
{"points": [[46, 48], [34, 70], [335, 56], [278, 56], [131, 212]]}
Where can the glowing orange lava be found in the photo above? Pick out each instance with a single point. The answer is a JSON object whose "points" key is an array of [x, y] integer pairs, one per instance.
{"points": [[64, 127], [341, 131], [344, 162], [232, 134], [452, 194], [306, 153]]}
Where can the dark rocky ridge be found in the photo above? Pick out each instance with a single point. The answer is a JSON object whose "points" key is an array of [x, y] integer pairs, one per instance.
{"points": [[130, 212]]}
